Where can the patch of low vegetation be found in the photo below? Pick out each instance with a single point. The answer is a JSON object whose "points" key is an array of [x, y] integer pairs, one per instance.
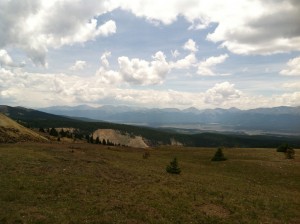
{"points": [[90, 183], [146, 154]]}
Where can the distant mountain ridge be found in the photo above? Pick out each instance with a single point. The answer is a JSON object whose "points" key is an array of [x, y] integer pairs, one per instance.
{"points": [[282, 120], [151, 136]]}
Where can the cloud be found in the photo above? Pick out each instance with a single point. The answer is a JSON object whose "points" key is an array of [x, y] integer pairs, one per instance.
{"points": [[188, 61], [175, 53], [190, 45], [221, 93], [293, 67], [106, 29], [137, 71], [134, 71], [185, 63], [205, 68], [262, 27], [79, 65], [104, 60], [37, 25], [106, 76], [141, 72], [62, 89], [5, 58], [243, 27], [291, 85]]}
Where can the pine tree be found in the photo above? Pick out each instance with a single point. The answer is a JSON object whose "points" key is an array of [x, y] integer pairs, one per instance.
{"points": [[53, 132], [91, 140], [97, 140], [87, 137], [283, 147], [219, 156], [173, 167], [62, 133]]}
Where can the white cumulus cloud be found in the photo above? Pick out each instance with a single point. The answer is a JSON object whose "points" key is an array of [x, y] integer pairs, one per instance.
{"points": [[79, 65], [205, 68], [293, 67], [5, 58], [222, 92], [185, 63], [190, 45], [141, 72], [104, 59]]}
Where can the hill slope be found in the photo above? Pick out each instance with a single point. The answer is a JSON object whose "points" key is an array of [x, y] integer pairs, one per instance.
{"points": [[11, 131], [52, 183]]}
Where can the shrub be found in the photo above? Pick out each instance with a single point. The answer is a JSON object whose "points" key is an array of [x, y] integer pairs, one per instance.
{"points": [[146, 154], [173, 167], [219, 156], [290, 153], [283, 148]]}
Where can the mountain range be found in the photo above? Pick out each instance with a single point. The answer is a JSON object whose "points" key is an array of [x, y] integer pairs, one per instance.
{"points": [[37, 120], [278, 120]]}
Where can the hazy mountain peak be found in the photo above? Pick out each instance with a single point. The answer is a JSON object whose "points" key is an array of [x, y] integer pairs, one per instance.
{"points": [[191, 110]]}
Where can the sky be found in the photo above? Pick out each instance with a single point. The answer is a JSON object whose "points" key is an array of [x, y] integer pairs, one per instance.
{"points": [[150, 53]]}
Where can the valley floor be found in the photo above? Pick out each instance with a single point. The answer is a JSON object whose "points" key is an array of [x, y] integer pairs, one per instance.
{"points": [[85, 183]]}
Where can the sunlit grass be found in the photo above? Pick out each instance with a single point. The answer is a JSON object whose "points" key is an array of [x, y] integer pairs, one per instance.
{"points": [[84, 183]]}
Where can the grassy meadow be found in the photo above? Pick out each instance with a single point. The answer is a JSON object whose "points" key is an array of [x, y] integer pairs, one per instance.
{"points": [[85, 183]]}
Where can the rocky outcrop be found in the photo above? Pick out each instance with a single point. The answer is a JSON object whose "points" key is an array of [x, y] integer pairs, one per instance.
{"points": [[118, 138]]}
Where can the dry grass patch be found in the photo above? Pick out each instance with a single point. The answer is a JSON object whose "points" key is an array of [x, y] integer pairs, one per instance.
{"points": [[215, 211]]}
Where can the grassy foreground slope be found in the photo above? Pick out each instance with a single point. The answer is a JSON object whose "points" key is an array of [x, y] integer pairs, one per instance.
{"points": [[84, 183]]}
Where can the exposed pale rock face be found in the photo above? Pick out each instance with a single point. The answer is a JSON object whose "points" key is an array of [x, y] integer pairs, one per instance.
{"points": [[118, 137]]}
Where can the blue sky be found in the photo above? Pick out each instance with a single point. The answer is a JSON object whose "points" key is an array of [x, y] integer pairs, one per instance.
{"points": [[202, 54]]}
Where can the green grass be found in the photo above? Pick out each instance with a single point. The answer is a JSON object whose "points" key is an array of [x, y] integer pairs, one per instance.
{"points": [[84, 183]]}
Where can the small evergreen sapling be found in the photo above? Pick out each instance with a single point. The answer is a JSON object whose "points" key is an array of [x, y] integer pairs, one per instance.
{"points": [[219, 156], [173, 167]]}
